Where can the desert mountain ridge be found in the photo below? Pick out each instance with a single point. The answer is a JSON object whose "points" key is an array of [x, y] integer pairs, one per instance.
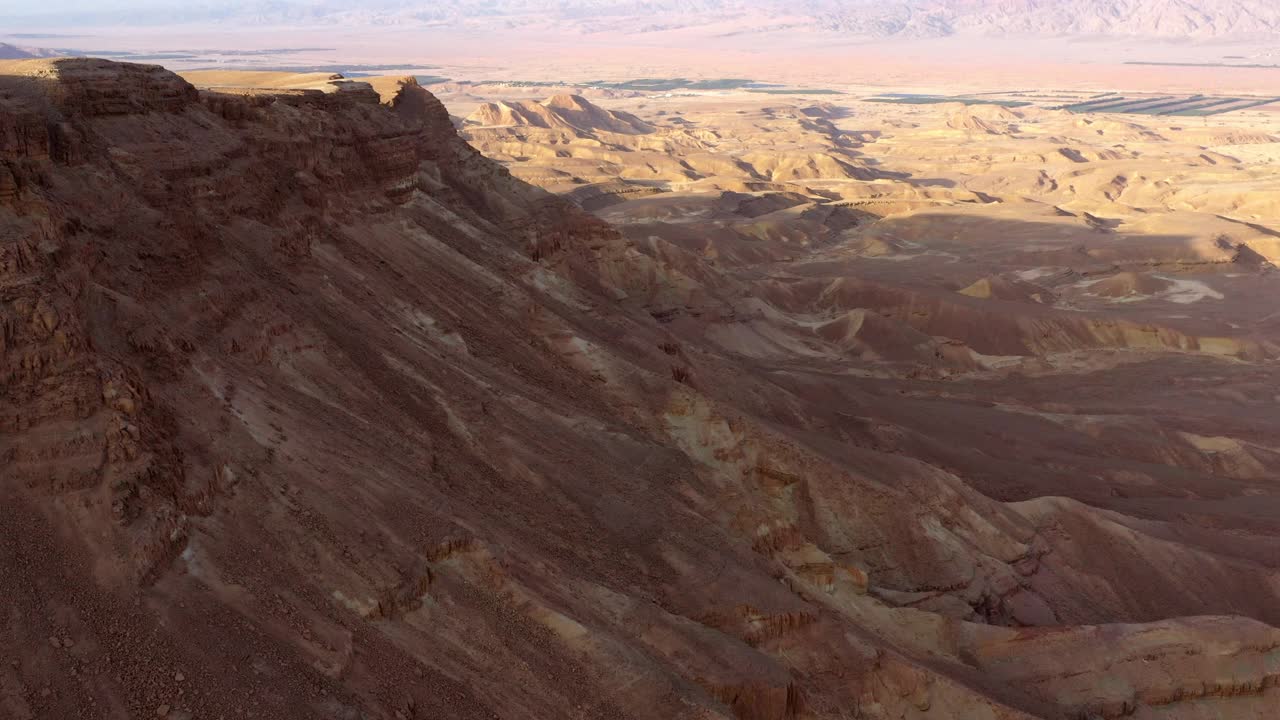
{"points": [[1157, 19], [16, 52], [571, 112], [310, 409]]}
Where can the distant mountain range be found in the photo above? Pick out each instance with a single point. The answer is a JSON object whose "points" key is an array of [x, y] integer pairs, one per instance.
{"points": [[1169, 19], [14, 52], [920, 18]]}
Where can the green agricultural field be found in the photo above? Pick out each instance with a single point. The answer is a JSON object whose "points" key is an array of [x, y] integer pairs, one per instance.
{"points": [[1207, 64], [1140, 105], [1205, 112], [1189, 106], [794, 91], [1217, 104], [350, 71], [668, 84], [906, 99], [1089, 105], [515, 83], [638, 85]]}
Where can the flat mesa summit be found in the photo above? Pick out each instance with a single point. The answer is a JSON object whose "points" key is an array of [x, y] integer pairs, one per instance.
{"points": [[310, 410]]}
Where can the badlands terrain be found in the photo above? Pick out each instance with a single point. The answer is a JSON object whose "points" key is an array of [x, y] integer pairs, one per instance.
{"points": [[331, 398]]}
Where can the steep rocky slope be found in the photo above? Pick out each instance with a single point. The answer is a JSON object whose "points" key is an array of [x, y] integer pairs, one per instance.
{"points": [[308, 410]]}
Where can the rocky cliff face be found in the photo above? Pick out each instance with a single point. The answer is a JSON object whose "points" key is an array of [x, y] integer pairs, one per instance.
{"points": [[308, 410]]}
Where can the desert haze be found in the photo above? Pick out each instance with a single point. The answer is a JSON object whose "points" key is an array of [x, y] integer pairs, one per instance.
{"points": [[708, 359], [1174, 19]]}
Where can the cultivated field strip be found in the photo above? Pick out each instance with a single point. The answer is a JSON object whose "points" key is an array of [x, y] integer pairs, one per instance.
{"points": [[1187, 106]]}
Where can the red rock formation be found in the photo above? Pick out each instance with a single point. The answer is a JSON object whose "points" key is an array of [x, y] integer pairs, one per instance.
{"points": [[308, 410]]}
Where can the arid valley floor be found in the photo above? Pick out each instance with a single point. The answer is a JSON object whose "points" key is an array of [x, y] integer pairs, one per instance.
{"points": [[366, 398]]}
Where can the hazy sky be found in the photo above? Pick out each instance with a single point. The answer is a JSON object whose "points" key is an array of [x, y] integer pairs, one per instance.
{"points": [[73, 11]]}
